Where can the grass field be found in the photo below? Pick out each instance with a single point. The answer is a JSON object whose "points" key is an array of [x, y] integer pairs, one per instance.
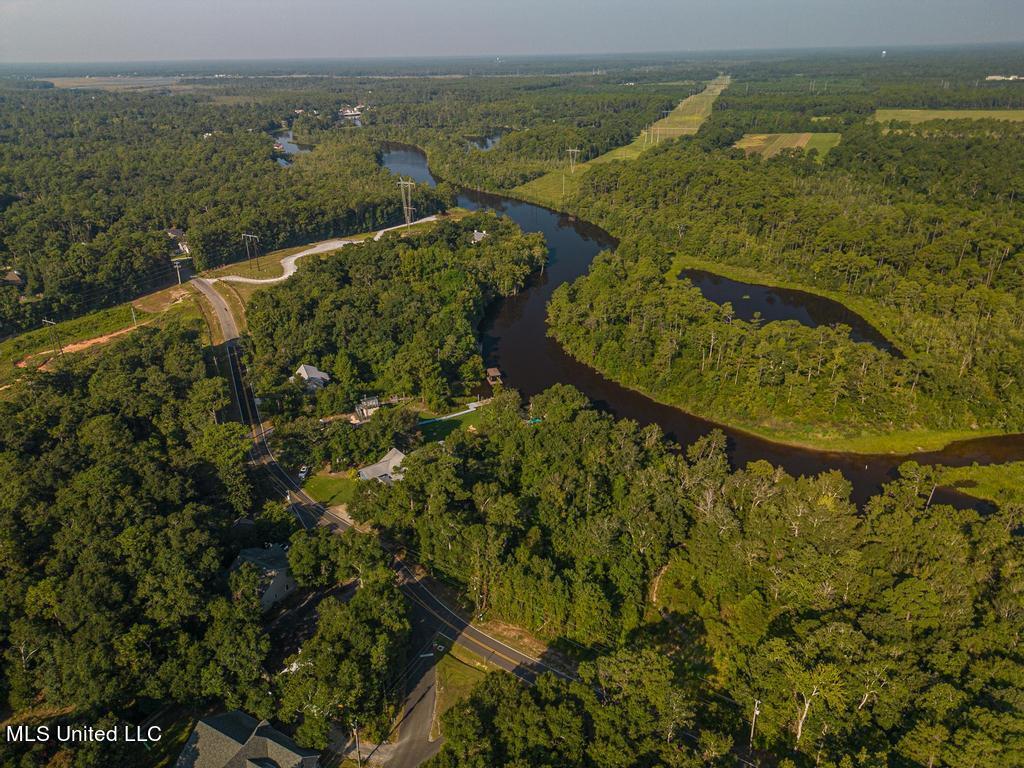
{"points": [[686, 119], [924, 115], [332, 489], [32, 349], [458, 672], [770, 144], [439, 430], [996, 482]]}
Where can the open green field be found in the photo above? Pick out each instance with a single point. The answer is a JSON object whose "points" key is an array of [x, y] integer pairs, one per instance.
{"points": [[440, 430], [685, 120], [770, 144], [924, 115], [332, 489], [1000, 483]]}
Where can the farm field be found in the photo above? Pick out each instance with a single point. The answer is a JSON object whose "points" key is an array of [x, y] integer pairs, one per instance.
{"points": [[770, 144], [925, 115], [685, 120]]}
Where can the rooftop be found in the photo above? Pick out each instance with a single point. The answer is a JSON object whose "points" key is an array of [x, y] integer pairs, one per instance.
{"points": [[385, 470], [237, 740]]}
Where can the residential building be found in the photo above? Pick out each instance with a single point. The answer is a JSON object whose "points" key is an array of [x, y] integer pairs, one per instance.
{"points": [[366, 408], [387, 470], [313, 376], [276, 582], [178, 236], [478, 236], [237, 740]]}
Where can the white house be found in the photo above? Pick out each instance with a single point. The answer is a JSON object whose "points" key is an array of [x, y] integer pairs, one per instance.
{"points": [[276, 582]]}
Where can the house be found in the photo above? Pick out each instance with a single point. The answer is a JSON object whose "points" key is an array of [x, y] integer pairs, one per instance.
{"points": [[387, 470], [178, 235], [13, 277], [366, 408], [493, 376], [276, 582], [313, 376], [478, 236], [237, 740]]}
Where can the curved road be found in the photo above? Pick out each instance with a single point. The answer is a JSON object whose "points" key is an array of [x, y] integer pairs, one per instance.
{"points": [[432, 616], [290, 263]]}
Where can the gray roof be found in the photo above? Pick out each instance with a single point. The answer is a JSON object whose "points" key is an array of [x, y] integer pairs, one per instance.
{"points": [[311, 373], [386, 469], [267, 559], [236, 740]]}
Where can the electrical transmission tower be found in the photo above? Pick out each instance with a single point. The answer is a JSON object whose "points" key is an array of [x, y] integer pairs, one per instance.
{"points": [[407, 186], [252, 249], [573, 157]]}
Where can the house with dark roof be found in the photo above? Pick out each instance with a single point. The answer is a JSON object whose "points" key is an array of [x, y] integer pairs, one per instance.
{"points": [[366, 407], [276, 582], [237, 740]]}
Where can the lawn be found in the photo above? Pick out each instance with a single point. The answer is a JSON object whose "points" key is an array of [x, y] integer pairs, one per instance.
{"points": [[332, 489], [458, 672], [686, 119], [995, 482], [924, 115], [439, 430], [770, 144]]}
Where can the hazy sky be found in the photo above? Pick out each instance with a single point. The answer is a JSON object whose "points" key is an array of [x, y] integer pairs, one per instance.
{"points": [[114, 30]]}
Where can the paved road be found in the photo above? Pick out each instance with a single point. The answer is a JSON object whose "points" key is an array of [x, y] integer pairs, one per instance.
{"points": [[413, 746], [290, 263], [225, 319], [432, 616]]}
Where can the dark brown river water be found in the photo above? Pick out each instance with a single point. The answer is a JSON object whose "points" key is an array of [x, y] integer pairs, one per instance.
{"points": [[516, 341]]}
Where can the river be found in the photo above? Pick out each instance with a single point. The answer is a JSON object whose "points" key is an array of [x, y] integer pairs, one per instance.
{"points": [[515, 340]]}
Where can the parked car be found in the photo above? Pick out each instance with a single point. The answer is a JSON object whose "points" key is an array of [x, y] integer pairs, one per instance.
{"points": [[304, 472]]}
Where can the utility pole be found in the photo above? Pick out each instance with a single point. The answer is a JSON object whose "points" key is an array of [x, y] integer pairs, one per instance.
{"points": [[573, 156], [753, 721], [359, 751], [135, 320], [252, 249], [177, 266], [407, 185], [54, 335]]}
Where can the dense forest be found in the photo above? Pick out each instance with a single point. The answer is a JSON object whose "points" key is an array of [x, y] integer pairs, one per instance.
{"points": [[887, 634], [707, 613], [121, 484], [395, 316], [918, 227], [90, 183], [90, 180]]}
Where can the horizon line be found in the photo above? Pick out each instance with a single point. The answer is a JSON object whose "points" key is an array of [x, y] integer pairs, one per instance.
{"points": [[500, 56]]}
